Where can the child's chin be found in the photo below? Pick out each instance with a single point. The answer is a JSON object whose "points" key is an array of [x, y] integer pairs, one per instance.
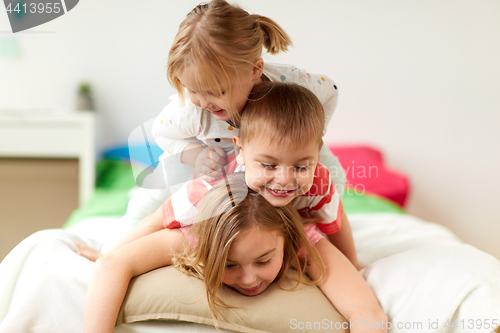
{"points": [[222, 117], [279, 202], [250, 295]]}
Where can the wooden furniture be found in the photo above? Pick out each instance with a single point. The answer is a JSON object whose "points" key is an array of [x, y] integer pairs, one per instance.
{"points": [[47, 169]]}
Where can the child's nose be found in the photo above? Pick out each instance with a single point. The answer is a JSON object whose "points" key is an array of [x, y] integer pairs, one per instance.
{"points": [[248, 277], [285, 175], [206, 103]]}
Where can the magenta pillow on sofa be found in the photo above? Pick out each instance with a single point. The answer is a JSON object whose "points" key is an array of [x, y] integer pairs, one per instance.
{"points": [[364, 166]]}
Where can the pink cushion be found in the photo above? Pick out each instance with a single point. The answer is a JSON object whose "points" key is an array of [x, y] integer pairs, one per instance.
{"points": [[366, 171]]}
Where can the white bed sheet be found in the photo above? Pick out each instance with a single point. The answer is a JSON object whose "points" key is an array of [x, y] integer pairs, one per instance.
{"points": [[421, 273]]}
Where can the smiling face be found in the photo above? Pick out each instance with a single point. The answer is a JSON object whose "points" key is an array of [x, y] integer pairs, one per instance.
{"points": [[278, 172], [254, 260], [219, 102]]}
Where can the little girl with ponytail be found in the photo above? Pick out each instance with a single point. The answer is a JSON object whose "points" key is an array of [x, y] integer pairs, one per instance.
{"points": [[213, 64]]}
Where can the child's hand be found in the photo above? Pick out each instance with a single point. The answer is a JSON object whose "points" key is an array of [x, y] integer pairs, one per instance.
{"points": [[87, 252], [209, 162], [359, 267]]}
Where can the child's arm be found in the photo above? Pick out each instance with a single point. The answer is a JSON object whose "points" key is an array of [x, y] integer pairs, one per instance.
{"points": [[148, 225], [343, 241], [177, 126], [190, 153], [347, 290], [204, 159], [175, 131], [113, 272], [332, 163]]}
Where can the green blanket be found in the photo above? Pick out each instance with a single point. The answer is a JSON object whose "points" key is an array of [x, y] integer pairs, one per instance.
{"points": [[115, 179]]}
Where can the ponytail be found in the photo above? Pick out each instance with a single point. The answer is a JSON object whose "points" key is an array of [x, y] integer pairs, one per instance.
{"points": [[276, 40], [219, 40]]}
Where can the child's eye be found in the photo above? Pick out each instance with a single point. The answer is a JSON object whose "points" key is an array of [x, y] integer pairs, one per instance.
{"points": [[268, 166], [214, 95], [229, 266], [262, 263], [301, 168]]}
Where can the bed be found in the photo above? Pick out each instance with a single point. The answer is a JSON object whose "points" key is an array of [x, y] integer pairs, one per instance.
{"points": [[426, 279]]}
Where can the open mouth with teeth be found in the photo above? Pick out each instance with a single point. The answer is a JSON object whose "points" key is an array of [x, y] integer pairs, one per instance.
{"points": [[280, 193]]}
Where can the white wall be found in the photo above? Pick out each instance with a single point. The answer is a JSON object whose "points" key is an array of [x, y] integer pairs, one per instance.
{"points": [[418, 78]]}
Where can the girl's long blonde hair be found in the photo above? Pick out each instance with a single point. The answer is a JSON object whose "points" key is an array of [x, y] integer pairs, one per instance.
{"points": [[223, 220], [217, 40]]}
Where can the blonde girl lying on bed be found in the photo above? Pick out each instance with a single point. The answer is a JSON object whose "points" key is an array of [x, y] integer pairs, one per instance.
{"points": [[282, 120], [246, 246]]}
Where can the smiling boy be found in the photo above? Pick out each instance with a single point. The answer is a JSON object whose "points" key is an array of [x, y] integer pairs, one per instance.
{"points": [[278, 147]]}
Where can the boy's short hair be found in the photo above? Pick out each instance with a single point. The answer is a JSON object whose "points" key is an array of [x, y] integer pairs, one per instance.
{"points": [[285, 113]]}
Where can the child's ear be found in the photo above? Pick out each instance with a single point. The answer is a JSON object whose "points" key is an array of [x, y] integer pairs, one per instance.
{"points": [[258, 68], [238, 150]]}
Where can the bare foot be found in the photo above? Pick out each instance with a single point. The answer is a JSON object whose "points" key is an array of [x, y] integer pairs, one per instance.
{"points": [[87, 252]]}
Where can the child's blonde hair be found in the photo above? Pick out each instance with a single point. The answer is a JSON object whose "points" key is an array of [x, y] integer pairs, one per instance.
{"points": [[285, 113], [218, 39], [223, 221]]}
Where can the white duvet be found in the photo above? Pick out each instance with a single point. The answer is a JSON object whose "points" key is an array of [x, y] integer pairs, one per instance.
{"points": [[425, 278]]}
